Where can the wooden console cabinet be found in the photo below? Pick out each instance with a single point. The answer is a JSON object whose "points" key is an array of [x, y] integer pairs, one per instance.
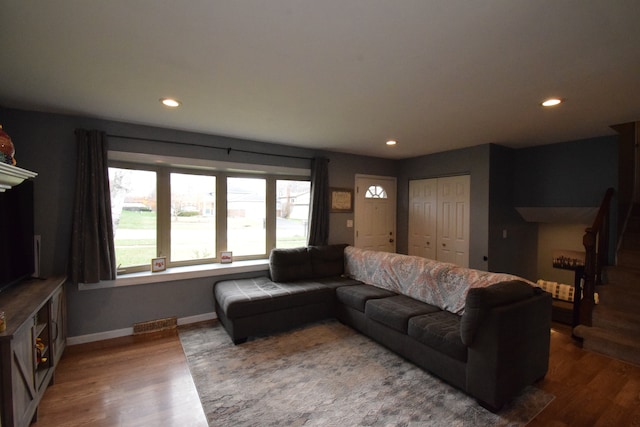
{"points": [[30, 347]]}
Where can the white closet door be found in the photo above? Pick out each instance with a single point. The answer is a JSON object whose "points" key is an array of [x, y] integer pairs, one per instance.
{"points": [[423, 196], [453, 220]]}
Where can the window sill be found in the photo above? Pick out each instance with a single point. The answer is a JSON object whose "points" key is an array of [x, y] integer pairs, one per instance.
{"points": [[180, 273]]}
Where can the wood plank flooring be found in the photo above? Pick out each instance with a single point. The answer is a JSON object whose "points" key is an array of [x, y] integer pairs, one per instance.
{"points": [[145, 381], [133, 381], [590, 389]]}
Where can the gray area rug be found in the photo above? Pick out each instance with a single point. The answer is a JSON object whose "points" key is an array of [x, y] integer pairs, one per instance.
{"points": [[326, 374]]}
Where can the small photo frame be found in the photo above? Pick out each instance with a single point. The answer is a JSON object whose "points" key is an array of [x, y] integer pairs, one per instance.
{"points": [[341, 200], [158, 264], [226, 257]]}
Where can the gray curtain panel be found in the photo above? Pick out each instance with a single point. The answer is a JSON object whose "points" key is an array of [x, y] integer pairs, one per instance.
{"points": [[92, 255], [319, 213]]}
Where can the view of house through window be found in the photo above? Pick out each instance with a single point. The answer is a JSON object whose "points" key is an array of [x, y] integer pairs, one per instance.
{"points": [[133, 210], [292, 209], [193, 217]]}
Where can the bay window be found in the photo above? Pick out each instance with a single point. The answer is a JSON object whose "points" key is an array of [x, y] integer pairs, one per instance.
{"points": [[189, 216]]}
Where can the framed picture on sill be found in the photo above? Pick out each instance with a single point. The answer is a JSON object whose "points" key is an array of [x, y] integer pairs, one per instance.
{"points": [[341, 200], [226, 257], [158, 264]]}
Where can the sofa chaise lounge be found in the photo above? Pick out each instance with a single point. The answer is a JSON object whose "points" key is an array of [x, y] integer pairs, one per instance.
{"points": [[485, 333]]}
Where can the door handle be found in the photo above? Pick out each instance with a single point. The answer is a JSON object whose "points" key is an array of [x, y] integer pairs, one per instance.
{"points": [[390, 240]]}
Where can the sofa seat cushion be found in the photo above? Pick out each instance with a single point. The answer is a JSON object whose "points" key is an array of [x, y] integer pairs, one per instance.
{"points": [[440, 331], [356, 296], [396, 311], [248, 297]]}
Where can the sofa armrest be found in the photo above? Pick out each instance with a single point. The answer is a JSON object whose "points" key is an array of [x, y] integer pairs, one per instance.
{"points": [[510, 349], [480, 300]]}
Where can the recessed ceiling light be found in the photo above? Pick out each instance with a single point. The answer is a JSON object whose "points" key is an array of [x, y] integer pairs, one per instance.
{"points": [[391, 142], [551, 102], [170, 102]]}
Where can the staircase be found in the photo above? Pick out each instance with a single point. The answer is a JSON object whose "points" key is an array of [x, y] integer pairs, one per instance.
{"points": [[615, 329]]}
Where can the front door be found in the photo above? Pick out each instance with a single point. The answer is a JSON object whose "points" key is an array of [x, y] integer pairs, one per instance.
{"points": [[375, 213]]}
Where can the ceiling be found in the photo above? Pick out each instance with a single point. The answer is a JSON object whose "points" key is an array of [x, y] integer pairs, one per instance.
{"points": [[340, 75]]}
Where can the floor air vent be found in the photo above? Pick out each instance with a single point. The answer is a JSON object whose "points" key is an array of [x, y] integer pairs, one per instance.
{"points": [[155, 325]]}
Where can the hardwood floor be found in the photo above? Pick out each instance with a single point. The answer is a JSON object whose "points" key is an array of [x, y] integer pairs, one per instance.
{"points": [[590, 389], [132, 381], [145, 381]]}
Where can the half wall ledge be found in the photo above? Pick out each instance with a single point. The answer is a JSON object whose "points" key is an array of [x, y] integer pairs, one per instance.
{"points": [[559, 215]]}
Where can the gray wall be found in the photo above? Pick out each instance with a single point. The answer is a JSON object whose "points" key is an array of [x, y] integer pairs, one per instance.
{"points": [[512, 241], [45, 143], [343, 169], [574, 173], [567, 174]]}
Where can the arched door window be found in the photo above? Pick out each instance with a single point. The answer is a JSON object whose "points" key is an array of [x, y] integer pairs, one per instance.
{"points": [[375, 192]]}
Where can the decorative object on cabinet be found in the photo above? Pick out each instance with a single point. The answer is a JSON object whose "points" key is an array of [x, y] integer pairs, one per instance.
{"points": [[7, 149]]}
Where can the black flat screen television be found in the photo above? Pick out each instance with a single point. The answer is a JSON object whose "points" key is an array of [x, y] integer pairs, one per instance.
{"points": [[16, 234]]}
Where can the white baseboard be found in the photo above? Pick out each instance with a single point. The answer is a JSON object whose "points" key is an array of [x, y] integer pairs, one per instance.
{"points": [[100, 336], [197, 318]]}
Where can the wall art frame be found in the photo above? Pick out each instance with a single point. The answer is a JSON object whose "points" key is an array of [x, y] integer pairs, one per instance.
{"points": [[341, 200]]}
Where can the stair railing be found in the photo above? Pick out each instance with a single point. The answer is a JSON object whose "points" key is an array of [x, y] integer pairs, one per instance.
{"points": [[596, 245]]}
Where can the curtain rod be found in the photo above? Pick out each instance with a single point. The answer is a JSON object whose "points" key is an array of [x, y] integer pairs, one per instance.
{"points": [[227, 149]]}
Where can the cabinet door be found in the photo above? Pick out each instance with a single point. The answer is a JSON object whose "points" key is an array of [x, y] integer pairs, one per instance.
{"points": [[23, 375], [58, 324]]}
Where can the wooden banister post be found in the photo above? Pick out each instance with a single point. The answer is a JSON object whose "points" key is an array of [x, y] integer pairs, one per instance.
{"points": [[587, 303], [596, 246]]}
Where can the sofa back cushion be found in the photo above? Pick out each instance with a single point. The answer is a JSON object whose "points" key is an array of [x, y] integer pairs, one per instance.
{"points": [[327, 261], [313, 262], [286, 265], [437, 283]]}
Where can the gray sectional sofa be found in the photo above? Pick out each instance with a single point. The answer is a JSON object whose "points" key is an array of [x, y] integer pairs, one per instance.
{"points": [[485, 333]]}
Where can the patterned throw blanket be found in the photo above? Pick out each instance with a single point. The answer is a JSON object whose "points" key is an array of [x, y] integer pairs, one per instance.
{"points": [[437, 283]]}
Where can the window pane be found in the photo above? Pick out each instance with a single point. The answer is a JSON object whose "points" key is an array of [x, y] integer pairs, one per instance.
{"points": [[292, 208], [246, 216], [133, 208], [193, 219]]}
